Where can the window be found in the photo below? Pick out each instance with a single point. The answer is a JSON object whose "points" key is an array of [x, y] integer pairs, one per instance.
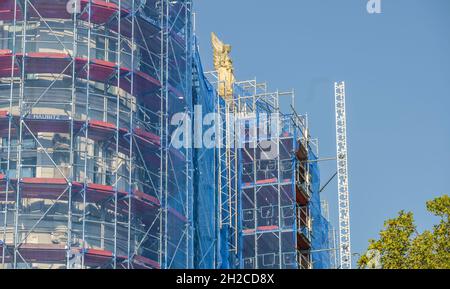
{"points": [[29, 167], [112, 50], [248, 215], [289, 259], [267, 212], [100, 47], [12, 167], [269, 259]]}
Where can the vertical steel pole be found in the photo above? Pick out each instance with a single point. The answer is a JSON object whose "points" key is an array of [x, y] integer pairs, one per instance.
{"points": [[117, 157], [164, 130], [162, 151], [218, 182], [10, 119], [86, 135], [279, 180], [72, 136], [17, 236], [188, 99], [131, 131]]}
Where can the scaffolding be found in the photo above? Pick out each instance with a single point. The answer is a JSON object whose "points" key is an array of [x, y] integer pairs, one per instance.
{"points": [[89, 176], [92, 175], [345, 254], [272, 181]]}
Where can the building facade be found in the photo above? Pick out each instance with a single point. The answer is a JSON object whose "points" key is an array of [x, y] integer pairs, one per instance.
{"points": [[88, 174]]}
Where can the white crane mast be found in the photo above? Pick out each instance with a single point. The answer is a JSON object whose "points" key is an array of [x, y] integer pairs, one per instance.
{"points": [[342, 173]]}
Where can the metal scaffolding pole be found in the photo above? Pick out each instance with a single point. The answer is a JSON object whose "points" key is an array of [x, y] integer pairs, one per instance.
{"points": [[20, 140], [10, 124], [71, 138], [86, 136], [163, 123], [131, 138]]}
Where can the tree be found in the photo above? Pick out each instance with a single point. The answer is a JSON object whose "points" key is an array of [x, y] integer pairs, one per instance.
{"points": [[400, 246]]}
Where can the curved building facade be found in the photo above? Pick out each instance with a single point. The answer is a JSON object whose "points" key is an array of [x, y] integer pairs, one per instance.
{"points": [[89, 177]]}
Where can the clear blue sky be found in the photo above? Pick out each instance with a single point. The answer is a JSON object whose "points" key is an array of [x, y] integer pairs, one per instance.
{"points": [[397, 69]]}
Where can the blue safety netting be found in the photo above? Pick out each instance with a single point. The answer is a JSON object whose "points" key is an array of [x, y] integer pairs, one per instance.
{"points": [[205, 200], [211, 243], [321, 254]]}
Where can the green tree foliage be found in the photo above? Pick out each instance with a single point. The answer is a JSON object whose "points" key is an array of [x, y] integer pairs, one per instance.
{"points": [[400, 246]]}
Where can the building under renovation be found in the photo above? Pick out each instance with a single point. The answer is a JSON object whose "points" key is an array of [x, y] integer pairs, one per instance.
{"points": [[90, 94]]}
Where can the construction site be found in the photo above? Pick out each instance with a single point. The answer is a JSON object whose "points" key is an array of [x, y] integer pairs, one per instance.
{"points": [[92, 93]]}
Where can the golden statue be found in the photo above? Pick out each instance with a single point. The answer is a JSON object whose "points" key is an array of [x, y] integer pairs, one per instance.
{"points": [[224, 67]]}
